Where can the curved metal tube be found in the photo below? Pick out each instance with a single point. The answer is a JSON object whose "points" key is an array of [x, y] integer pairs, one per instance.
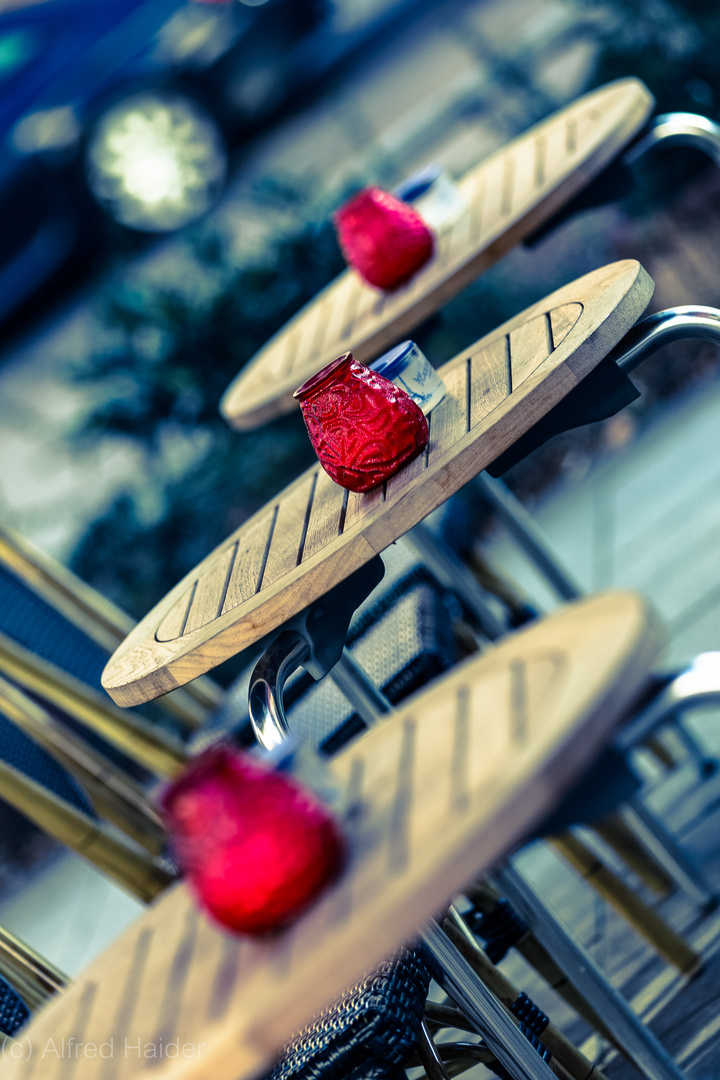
{"points": [[698, 685], [265, 696], [430, 1059], [677, 129], [288, 652], [673, 324]]}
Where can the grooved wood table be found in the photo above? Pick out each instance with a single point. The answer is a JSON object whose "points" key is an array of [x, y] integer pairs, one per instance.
{"points": [[315, 533], [444, 795], [509, 195]]}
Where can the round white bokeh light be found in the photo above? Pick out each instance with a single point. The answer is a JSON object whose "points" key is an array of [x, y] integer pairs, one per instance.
{"points": [[156, 162]]}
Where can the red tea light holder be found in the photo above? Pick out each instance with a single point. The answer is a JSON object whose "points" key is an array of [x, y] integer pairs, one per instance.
{"points": [[363, 427], [256, 846], [383, 238]]}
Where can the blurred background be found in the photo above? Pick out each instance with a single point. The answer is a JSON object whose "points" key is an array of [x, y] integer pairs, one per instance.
{"points": [[167, 173], [168, 169]]}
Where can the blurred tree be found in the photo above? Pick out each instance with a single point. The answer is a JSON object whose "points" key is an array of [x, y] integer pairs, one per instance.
{"points": [[672, 46], [166, 355]]}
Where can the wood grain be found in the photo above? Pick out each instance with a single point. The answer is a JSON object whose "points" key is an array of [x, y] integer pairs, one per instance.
{"points": [[450, 784], [509, 195], [498, 388]]}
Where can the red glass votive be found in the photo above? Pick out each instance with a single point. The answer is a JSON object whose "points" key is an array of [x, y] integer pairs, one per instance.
{"points": [[363, 428], [256, 847], [383, 238]]}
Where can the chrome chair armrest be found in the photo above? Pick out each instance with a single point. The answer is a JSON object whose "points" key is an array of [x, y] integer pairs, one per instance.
{"points": [[662, 328], [265, 695], [697, 685], [676, 129]]}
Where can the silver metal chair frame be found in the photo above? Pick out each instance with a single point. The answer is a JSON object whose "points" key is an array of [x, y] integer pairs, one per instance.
{"points": [[457, 978], [676, 129], [644, 339], [697, 686]]}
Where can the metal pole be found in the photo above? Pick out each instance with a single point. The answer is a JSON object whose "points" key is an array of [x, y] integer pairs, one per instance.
{"points": [[661, 846], [483, 1009], [638, 1041], [524, 530], [430, 1059], [454, 575], [359, 689], [31, 975]]}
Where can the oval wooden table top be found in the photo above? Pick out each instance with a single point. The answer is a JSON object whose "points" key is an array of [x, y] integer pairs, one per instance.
{"points": [[509, 195], [490, 749], [315, 533]]}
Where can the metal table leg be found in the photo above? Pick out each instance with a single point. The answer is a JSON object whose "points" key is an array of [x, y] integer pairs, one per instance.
{"points": [[637, 1040], [482, 1008], [453, 574], [672, 858], [524, 530], [362, 693]]}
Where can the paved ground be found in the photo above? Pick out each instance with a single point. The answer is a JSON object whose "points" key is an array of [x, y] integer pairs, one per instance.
{"points": [[69, 912], [648, 518]]}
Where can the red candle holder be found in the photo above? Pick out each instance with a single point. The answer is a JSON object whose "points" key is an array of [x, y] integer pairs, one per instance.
{"points": [[255, 846], [383, 238], [363, 427]]}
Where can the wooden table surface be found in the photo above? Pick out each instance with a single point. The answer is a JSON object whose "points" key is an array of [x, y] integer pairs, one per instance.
{"points": [[509, 195], [315, 533], [448, 785]]}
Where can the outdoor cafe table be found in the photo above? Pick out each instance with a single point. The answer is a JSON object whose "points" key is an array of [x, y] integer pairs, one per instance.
{"points": [[314, 534], [447, 786], [508, 196]]}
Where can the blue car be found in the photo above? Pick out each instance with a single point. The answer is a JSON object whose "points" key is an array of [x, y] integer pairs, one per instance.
{"points": [[121, 115]]}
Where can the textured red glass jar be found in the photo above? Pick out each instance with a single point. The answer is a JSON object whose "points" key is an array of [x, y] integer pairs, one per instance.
{"points": [[256, 847], [383, 238], [363, 428]]}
